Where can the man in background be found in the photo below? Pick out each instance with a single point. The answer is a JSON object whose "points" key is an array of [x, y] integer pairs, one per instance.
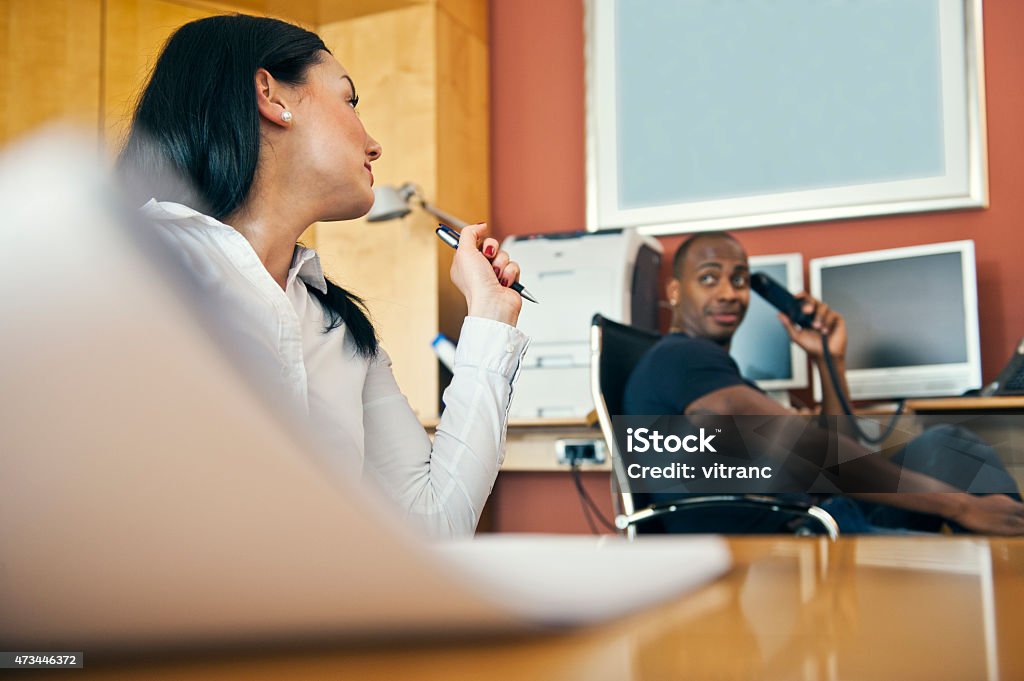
{"points": [[689, 371]]}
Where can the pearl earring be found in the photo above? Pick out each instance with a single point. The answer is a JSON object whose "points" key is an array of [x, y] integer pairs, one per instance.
{"points": [[286, 117]]}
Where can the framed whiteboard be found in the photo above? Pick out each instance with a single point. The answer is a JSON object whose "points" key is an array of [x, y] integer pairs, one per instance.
{"points": [[725, 114]]}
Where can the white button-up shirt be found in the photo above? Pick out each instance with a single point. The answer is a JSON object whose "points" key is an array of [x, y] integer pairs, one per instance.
{"points": [[353, 402]]}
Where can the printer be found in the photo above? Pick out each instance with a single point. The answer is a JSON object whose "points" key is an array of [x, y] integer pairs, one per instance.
{"points": [[574, 276]]}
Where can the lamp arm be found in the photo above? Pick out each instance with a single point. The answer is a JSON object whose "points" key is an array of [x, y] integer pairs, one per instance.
{"points": [[446, 218]]}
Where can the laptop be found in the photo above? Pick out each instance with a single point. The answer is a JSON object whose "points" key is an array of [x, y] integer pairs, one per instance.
{"points": [[152, 495]]}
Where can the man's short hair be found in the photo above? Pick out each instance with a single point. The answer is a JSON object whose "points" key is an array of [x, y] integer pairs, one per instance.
{"points": [[684, 248]]}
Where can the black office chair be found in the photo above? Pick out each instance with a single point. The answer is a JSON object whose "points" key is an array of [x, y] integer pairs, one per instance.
{"points": [[615, 349]]}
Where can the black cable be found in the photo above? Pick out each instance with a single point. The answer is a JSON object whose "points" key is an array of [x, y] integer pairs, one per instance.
{"points": [[590, 519], [574, 470], [588, 504], [589, 507], [834, 375]]}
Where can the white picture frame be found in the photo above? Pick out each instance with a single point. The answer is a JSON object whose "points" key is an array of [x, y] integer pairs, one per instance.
{"points": [[953, 41]]}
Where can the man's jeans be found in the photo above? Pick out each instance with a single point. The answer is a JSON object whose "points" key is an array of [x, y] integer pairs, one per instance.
{"points": [[952, 454]]}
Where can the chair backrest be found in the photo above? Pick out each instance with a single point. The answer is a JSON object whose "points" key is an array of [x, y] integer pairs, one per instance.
{"points": [[620, 349], [615, 350]]}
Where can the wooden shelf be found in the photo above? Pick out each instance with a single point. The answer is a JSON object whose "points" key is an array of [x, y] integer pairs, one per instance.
{"points": [[537, 424]]}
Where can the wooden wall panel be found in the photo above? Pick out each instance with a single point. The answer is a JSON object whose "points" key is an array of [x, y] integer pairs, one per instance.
{"points": [[393, 265], [49, 63], [463, 130], [311, 13], [303, 12], [333, 11], [136, 30], [473, 15]]}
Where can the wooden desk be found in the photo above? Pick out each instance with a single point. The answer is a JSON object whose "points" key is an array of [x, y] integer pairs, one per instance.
{"points": [[1009, 404], [865, 608], [530, 443]]}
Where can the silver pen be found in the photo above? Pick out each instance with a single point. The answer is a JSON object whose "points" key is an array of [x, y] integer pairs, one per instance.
{"points": [[451, 237]]}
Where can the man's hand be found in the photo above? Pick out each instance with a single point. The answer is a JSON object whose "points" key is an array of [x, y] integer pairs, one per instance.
{"points": [[991, 514], [826, 320]]}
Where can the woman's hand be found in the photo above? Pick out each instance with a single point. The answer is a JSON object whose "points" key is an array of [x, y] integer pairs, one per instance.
{"points": [[826, 320], [483, 272]]}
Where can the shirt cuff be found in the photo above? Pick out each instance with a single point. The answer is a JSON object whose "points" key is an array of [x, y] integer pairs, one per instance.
{"points": [[491, 345]]}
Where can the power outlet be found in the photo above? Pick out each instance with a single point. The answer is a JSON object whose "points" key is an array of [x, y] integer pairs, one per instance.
{"points": [[582, 451]]}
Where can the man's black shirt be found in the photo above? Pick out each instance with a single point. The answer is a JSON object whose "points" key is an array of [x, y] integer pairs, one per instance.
{"points": [[678, 371]]}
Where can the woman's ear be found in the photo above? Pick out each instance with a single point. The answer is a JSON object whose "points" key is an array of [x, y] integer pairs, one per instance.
{"points": [[272, 107]]}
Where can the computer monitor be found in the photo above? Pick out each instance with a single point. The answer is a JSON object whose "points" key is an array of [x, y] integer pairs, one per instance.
{"points": [[912, 317], [761, 345]]}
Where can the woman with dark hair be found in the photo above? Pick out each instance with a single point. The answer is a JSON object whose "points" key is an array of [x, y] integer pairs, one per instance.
{"points": [[245, 135]]}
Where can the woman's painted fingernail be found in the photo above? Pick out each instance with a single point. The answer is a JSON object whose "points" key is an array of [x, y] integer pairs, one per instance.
{"points": [[489, 251], [497, 272]]}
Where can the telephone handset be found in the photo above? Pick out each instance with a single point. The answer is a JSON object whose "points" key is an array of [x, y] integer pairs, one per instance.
{"points": [[784, 301], [776, 294]]}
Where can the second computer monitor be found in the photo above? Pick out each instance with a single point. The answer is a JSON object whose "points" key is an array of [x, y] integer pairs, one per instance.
{"points": [[912, 318], [761, 346]]}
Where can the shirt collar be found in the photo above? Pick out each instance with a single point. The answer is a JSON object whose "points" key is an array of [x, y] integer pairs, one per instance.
{"points": [[306, 266], [305, 261], [168, 210]]}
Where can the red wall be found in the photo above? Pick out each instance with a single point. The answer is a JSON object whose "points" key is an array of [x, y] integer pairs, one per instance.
{"points": [[538, 174], [538, 182]]}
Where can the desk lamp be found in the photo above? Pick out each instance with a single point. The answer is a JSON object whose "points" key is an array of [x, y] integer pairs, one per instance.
{"points": [[391, 202]]}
